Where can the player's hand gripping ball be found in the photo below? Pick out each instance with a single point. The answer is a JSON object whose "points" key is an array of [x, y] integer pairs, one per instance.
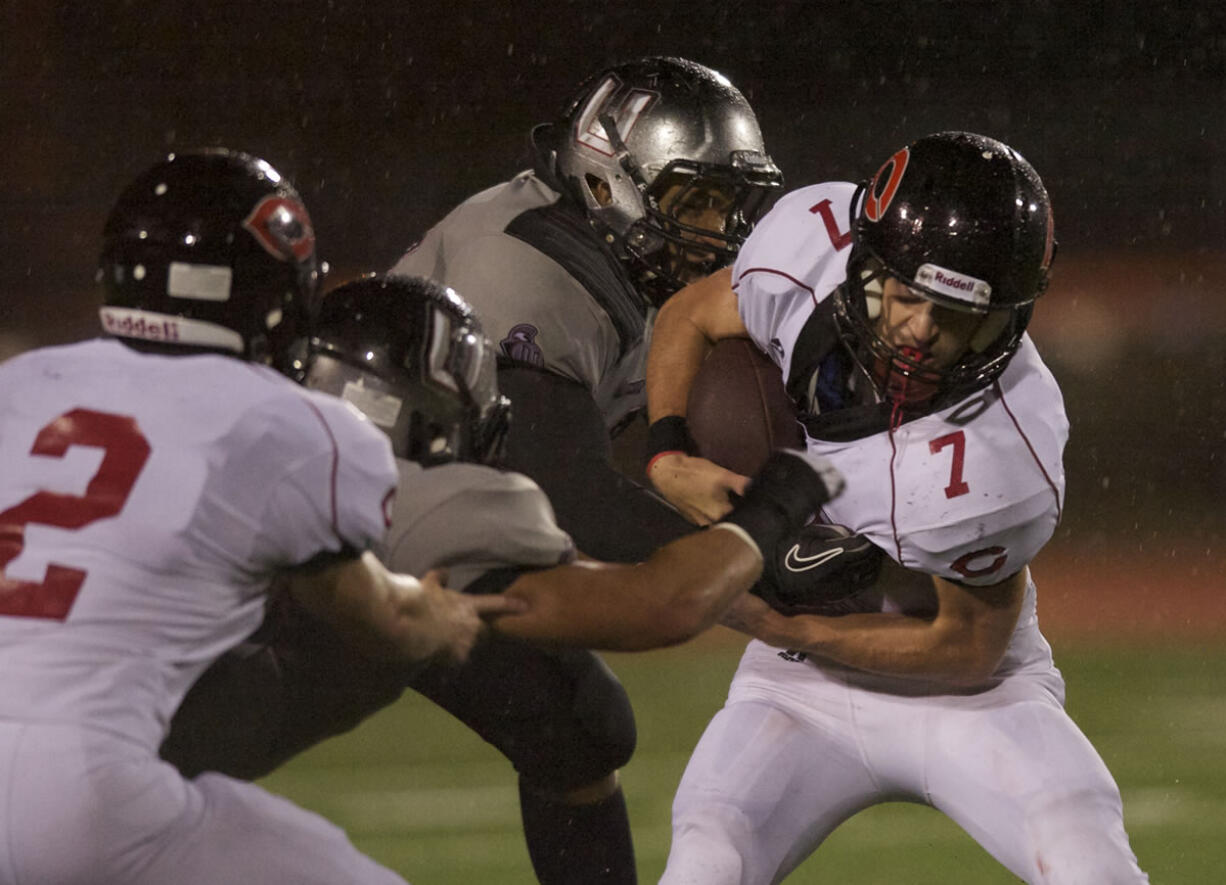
{"points": [[819, 570]]}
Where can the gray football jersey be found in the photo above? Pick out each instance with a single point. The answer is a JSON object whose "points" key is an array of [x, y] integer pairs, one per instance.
{"points": [[469, 519], [546, 289]]}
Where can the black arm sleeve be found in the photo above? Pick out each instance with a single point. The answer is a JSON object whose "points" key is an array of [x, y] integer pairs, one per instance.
{"points": [[558, 438]]}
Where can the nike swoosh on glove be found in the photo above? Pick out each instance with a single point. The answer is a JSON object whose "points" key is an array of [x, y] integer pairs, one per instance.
{"points": [[817, 570]]}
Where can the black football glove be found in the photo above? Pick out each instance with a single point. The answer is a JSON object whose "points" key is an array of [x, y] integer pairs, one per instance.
{"points": [[785, 494], [818, 570]]}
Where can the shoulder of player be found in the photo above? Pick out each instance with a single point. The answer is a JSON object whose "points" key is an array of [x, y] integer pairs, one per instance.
{"points": [[469, 518], [304, 423], [483, 214], [496, 497], [797, 238]]}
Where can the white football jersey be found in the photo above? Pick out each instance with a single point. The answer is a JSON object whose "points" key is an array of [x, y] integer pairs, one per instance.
{"points": [[970, 492], [145, 504]]}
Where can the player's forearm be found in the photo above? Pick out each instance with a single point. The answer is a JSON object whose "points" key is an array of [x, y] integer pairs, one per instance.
{"points": [[962, 643], [681, 590], [685, 328], [890, 644]]}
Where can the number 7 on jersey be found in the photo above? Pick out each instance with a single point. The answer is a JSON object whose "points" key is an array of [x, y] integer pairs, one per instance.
{"points": [[957, 486]]}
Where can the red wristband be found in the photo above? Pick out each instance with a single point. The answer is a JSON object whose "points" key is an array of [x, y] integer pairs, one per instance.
{"points": [[658, 455]]}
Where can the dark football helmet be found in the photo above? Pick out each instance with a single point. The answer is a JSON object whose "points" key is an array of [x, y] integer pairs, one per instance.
{"points": [[965, 222], [409, 354], [666, 159], [211, 250]]}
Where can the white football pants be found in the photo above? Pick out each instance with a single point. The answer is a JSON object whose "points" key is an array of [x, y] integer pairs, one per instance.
{"points": [[80, 807], [787, 761]]}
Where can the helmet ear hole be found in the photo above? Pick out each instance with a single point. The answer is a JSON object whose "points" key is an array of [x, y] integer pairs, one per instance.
{"points": [[601, 192]]}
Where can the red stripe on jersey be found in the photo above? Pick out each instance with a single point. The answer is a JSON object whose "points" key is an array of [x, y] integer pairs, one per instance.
{"points": [[894, 497], [1000, 393], [779, 273]]}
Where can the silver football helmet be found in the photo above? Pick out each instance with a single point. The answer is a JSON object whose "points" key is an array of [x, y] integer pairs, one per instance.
{"points": [[666, 158]]}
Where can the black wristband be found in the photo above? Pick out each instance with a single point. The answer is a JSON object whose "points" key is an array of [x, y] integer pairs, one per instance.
{"points": [[669, 434]]}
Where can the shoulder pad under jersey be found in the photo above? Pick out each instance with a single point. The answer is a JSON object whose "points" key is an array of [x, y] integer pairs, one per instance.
{"points": [[469, 519], [794, 259]]}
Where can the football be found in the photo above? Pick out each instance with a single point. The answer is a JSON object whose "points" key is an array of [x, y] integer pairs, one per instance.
{"points": [[738, 410]]}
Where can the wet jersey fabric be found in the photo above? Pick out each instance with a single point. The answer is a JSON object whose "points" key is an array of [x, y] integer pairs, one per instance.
{"points": [[167, 491], [548, 291], [145, 503], [971, 491]]}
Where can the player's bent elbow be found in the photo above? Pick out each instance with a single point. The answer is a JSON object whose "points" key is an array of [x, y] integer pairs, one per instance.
{"points": [[974, 666]]}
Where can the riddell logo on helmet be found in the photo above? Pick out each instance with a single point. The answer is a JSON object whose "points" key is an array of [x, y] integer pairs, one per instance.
{"points": [[128, 326], [950, 280], [956, 285]]}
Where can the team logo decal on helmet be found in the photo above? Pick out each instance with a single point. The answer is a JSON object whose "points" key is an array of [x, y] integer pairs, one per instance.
{"points": [[877, 202], [590, 130], [283, 227], [960, 220], [665, 158]]}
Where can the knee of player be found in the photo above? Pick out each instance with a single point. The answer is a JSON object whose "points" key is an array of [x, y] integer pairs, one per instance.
{"points": [[587, 742], [708, 846], [1081, 838]]}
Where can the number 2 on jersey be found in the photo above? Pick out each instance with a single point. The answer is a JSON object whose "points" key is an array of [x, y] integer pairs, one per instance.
{"points": [[125, 452]]}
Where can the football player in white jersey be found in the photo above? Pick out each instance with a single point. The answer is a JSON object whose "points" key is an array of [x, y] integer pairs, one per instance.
{"points": [[154, 485], [897, 314], [649, 178], [557, 713]]}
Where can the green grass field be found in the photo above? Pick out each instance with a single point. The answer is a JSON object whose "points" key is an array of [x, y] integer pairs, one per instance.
{"points": [[424, 796]]}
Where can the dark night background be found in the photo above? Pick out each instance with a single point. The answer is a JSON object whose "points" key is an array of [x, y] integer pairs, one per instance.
{"points": [[385, 114]]}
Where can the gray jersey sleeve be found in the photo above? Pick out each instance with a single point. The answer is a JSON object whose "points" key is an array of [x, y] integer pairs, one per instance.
{"points": [[470, 519]]}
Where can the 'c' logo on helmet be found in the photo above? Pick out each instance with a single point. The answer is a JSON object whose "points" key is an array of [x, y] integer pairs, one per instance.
{"points": [[282, 227], [879, 200]]}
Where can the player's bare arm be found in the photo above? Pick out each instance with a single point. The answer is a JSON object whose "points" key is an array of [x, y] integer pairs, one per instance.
{"points": [[687, 326], [962, 643], [686, 585], [392, 616], [677, 593]]}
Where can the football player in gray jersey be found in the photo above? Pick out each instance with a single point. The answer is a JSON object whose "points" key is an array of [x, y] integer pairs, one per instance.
{"points": [[410, 354], [650, 178]]}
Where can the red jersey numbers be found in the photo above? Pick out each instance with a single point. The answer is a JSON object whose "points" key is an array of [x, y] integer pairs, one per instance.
{"points": [[840, 239], [956, 441], [125, 452]]}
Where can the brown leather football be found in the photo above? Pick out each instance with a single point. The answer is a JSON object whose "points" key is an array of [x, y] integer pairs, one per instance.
{"points": [[738, 410]]}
